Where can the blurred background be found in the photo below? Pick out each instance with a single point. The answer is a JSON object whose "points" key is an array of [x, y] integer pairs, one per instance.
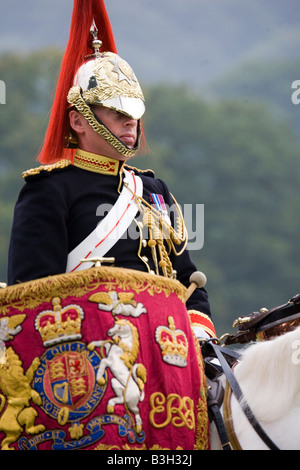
{"points": [[221, 126]]}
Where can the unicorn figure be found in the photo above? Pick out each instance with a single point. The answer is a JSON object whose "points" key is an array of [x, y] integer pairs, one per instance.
{"points": [[129, 378]]}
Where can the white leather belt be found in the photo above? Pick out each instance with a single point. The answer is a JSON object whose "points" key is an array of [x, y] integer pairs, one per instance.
{"points": [[111, 228]]}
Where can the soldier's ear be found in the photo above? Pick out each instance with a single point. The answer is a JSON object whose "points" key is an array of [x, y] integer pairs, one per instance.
{"points": [[77, 121]]}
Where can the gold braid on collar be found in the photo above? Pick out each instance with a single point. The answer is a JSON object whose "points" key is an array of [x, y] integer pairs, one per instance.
{"points": [[96, 163]]}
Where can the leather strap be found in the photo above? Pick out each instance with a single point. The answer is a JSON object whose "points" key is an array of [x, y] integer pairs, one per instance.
{"points": [[111, 228], [215, 395], [239, 396]]}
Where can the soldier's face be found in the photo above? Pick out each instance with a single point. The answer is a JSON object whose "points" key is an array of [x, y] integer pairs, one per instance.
{"points": [[122, 126]]}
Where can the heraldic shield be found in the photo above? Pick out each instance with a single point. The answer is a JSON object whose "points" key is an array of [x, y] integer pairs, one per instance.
{"points": [[100, 359]]}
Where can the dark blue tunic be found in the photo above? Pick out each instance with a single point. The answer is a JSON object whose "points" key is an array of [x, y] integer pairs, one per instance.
{"points": [[58, 209]]}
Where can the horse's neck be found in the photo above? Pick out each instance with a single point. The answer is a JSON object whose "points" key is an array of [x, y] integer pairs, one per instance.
{"points": [[270, 381], [269, 376], [284, 432]]}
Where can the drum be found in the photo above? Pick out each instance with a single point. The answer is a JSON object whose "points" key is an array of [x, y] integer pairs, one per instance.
{"points": [[100, 359]]}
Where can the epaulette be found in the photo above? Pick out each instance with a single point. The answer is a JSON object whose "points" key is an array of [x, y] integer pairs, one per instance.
{"points": [[147, 172], [38, 170]]}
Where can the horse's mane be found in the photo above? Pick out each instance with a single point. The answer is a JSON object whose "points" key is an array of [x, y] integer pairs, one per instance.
{"points": [[129, 357], [269, 375]]}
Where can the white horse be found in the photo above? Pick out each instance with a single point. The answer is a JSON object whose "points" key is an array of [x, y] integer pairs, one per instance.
{"points": [[129, 377], [269, 376]]}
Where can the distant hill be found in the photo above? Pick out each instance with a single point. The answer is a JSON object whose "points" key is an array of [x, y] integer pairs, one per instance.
{"points": [[190, 41]]}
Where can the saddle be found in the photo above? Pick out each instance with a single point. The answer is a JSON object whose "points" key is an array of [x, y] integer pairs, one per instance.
{"points": [[266, 324]]}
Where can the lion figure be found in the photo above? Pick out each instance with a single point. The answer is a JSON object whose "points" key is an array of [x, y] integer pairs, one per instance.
{"points": [[15, 399]]}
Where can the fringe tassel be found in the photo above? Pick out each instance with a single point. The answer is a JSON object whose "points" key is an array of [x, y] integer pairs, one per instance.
{"points": [[29, 295]]}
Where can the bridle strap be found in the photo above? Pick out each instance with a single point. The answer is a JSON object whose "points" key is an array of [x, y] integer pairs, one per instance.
{"points": [[215, 396], [239, 396], [225, 439]]}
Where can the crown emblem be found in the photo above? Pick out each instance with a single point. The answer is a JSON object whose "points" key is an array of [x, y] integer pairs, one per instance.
{"points": [[60, 324], [173, 344]]}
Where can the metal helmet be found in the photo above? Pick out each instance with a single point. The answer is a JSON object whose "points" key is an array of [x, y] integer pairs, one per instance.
{"points": [[107, 80], [110, 81]]}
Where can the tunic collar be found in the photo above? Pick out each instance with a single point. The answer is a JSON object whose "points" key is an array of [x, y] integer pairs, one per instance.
{"points": [[97, 163]]}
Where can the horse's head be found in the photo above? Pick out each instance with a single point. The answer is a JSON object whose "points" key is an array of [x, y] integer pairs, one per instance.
{"points": [[121, 328]]}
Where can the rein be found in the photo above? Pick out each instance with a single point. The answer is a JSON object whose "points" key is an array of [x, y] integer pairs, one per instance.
{"points": [[236, 390]]}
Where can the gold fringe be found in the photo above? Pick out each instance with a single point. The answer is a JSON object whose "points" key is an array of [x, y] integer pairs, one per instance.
{"points": [[32, 293], [138, 169], [228, 419], [35, 171], [202, 428]]}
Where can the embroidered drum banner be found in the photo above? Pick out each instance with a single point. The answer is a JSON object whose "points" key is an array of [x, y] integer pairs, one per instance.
{"points": [[100, 359]]}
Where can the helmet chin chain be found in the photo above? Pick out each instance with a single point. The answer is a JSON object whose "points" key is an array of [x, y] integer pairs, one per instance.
{"points": [[75, 99]]}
